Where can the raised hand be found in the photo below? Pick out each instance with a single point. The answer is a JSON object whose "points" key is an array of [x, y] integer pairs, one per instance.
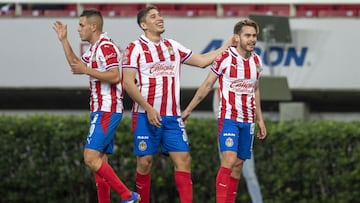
{"points": [[60, 29]]}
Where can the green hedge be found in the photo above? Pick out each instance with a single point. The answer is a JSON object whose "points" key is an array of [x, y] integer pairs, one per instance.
{"points": [[305, 162]]}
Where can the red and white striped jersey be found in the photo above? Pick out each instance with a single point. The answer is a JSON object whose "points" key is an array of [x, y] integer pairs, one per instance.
{"points": [[158, 72], [102, 56], [237, 80]]}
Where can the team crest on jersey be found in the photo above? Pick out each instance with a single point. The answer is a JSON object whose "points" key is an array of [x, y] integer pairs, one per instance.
{"points": [[142, 146], [171, 50], [229, 142]]}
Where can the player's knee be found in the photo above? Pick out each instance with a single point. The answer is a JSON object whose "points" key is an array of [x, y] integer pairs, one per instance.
{"points": [[91, 162], [237, 166], [92, 159], [144, 164], [228, 161], [87, 162], [182, 163]]}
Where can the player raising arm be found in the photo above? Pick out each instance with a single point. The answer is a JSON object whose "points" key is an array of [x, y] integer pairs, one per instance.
{"points": [[101, 64]]}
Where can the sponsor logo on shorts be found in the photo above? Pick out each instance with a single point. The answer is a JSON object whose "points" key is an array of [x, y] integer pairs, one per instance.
{"points": [[142, 146], [142, 137], [229, 134]]}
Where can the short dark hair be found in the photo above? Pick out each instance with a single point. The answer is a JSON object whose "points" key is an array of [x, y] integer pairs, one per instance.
{"points": [[92, 12], [246, 22], [142, 13]]}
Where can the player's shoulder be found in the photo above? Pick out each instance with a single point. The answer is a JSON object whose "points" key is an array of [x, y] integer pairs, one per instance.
{"points": [[107, 44], [255, 55], [225, 54], [134, 43], [133, 46]]}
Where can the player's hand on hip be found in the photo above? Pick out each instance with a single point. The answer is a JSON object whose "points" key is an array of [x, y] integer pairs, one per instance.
{"points": [[185, 115]]}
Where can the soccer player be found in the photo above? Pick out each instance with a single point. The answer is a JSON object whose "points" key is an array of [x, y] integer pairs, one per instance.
{"points": [[248, 169], [101, 64], [238, 70], [151, 70]]}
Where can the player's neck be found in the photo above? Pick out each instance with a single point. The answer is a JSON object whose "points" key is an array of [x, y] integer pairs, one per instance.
{"points": [[95, 38], [243, 53], [152, 37]]}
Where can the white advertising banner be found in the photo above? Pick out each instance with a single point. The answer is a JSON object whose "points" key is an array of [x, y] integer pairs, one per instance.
{"points": [[323, 53]]}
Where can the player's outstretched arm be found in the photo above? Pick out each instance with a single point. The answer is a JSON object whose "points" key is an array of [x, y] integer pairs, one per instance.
{"points": [[200, 94], [203, 60]]}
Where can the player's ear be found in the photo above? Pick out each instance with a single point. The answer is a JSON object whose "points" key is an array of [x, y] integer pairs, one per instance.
{"points": [[93, 27], [143, 25], [236, 38]]}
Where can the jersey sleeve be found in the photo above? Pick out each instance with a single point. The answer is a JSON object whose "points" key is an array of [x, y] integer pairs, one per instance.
{"points": [[130, 56], [217, 66], [109, 55], [86, 56]]}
